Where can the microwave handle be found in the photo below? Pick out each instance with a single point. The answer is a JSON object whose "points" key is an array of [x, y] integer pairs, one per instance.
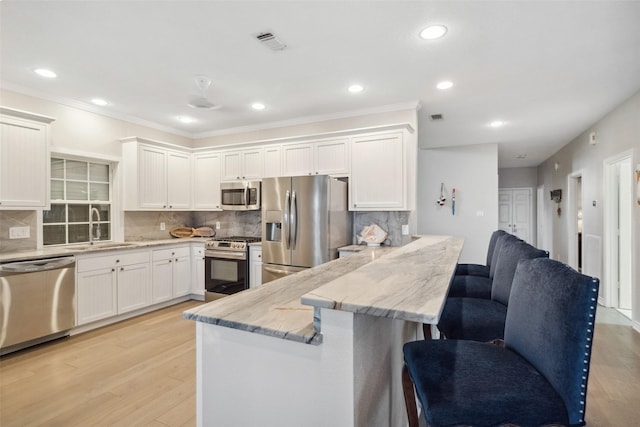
{"points": [[246, 194]]}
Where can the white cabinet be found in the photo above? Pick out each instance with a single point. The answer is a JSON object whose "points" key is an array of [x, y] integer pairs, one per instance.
{"points": [[24, 160], [197, 269], [255, 266], [206, 181], [171, 273], [272, 161], [243, 164], [327, 157], [155, 177], [378, 173], [112, 284]]}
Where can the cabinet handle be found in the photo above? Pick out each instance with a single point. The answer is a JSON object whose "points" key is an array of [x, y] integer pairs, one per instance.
{"points": [[121, 268], [170, 206], [170, 260], [176, 259], [113, 269], [117, 261]]}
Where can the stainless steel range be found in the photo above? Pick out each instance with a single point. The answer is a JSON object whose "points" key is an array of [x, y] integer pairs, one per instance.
{"points": [[226, 266]]}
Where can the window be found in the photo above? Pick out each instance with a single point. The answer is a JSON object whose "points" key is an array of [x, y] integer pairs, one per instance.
{"points": [[80, 203]]}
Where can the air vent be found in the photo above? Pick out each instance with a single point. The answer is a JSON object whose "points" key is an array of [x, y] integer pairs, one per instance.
{"points": [[270, 41], [437, 117]]}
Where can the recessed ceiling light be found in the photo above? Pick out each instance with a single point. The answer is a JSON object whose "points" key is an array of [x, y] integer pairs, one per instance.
{"points": [[444, 85], [99, 101], [433, 32], [186, 119], [258, 106], [43, 72], [355, 88], [497, 123]]}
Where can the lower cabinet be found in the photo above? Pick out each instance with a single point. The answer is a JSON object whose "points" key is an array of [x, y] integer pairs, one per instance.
{"points": [[197, 269], [112, 284], [171, 273], [255, 266]]}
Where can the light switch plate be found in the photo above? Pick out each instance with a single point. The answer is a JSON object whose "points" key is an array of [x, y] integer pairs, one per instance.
{"points": [[405, 229]]}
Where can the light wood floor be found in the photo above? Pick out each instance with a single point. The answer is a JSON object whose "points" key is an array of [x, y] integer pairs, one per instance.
{"points": [[141, 372]]}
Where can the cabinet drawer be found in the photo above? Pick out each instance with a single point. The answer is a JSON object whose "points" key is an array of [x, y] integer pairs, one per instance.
{"points": [[111, 260], [167, 253]]}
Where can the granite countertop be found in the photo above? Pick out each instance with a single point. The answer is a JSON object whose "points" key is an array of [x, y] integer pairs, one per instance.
{"points": [[84, 249], [408, 282]]}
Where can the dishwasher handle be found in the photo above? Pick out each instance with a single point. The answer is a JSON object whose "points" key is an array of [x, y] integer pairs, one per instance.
{"points": [[37, 265]]}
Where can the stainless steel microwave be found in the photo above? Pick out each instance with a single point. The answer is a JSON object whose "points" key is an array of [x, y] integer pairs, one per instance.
{"points": [[240, 196]]}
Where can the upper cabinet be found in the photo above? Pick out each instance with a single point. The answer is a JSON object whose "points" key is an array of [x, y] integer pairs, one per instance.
{"points": [[379, 173], [326, 157], [155, 177], [24, 160], [243, 164], [272, 161], [206, 181]]}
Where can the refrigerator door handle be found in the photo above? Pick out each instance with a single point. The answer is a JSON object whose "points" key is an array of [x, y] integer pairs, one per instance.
{"points": [[287, 212], [294, 220]]}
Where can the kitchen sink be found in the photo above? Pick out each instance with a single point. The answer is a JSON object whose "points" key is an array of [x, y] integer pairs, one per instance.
{"points": [[95, 246]]}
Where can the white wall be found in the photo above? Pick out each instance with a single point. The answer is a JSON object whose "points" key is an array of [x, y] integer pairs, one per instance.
{"points": [[518, 177], [617, 132], [473, 171]]}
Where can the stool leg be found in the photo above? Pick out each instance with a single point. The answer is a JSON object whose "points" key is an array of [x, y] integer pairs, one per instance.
{"points": [[426, 330], [409, 398]]}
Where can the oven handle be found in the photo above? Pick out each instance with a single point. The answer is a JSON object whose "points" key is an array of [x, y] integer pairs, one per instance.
{"points": [[225, 255]]}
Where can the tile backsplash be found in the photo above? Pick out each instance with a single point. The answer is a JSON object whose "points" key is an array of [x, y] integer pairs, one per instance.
{"points": [[146, 225], [10, 219]]}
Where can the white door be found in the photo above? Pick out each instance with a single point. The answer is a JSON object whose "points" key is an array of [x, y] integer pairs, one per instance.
{"points": [[514, 212], [625, 196]]}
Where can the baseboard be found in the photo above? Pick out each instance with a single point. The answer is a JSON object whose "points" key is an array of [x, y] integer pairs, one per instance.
{"points": [[119, 318], [635, 325]]}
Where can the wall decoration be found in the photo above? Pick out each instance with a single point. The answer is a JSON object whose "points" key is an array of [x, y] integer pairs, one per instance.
{"points": [[441, 201]]}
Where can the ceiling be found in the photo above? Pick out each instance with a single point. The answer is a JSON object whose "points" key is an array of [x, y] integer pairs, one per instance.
{"points": [[548, 69]]}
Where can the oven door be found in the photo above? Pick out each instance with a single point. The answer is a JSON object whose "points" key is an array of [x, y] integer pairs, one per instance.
{"points": [[226, 273]]}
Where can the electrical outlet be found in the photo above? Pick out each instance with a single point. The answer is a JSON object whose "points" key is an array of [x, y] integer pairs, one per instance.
{"points": [[162, 226], [217, 225], [19, 232], [405, 229]]}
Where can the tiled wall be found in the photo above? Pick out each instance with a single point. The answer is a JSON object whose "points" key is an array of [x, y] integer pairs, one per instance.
{"points": [[10, 219], [146, 225]]}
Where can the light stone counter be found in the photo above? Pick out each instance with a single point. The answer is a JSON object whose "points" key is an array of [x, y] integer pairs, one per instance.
{"points": [[274, 309], [409, 283], [98, 247]]}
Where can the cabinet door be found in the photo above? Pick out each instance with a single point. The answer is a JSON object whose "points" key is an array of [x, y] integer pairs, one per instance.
{"points": [[231, 166], [181, 276], [178, 180], [152, 178], [331, 157], [206, 181], [252, 163], [97, 295], [162, 280], [197, 270], [297, 159], [377, 173], [133, 287], [255, 263], [23, 164], [272, 162]]}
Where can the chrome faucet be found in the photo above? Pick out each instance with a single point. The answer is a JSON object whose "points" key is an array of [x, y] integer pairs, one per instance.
{"points": [[97, 237]]}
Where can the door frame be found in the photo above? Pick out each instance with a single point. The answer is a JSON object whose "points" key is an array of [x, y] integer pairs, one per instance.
{"points": [[572, 215], [610, 210]]}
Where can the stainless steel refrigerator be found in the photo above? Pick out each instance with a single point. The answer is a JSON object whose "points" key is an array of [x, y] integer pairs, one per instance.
{"points": [[305, 219]]}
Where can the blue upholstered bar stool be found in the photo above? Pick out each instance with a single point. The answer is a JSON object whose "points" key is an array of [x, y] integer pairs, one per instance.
{"points": [[483, 319], [537, 376], [479, 269], [480, 286]]}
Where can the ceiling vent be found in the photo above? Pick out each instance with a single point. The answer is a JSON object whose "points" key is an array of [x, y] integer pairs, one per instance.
{"points": [[271, 41], [437, 117]]}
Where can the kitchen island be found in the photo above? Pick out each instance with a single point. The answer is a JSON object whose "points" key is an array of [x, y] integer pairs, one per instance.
{"points": [[322, 347]]}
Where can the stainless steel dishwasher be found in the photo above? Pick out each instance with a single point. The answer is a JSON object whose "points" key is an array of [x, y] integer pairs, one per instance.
{"points": [[37, 301]]}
